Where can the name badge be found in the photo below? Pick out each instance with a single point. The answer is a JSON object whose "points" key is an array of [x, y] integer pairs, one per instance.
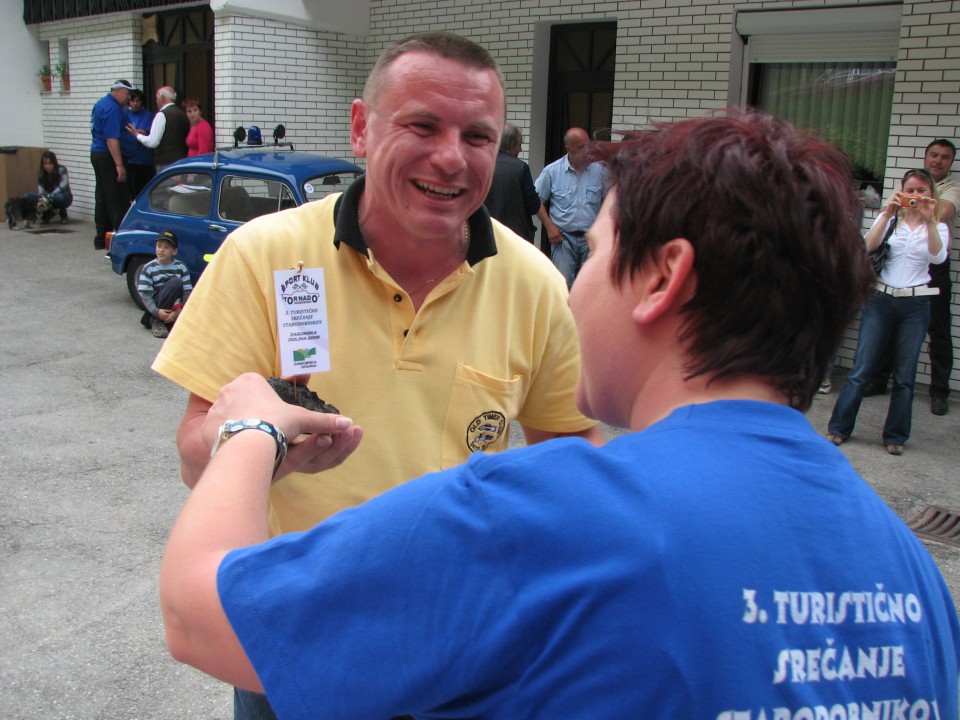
{"points": [[302, 321]]}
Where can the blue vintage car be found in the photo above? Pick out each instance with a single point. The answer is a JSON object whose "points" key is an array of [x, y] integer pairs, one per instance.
{"points": [[205, 197]]}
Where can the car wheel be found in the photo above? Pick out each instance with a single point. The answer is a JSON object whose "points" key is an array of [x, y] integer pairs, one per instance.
{"points": [[133, 277]]}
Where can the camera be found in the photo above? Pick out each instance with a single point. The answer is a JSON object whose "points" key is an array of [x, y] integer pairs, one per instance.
{"points": [[909, 201]]}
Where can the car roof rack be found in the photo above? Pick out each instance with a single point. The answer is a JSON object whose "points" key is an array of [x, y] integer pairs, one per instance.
{"points": [[254, 139]]}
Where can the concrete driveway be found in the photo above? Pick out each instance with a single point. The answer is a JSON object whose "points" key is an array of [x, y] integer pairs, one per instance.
{"points": [[91, 488]]}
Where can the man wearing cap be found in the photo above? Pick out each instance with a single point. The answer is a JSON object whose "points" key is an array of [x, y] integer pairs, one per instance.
{"points": [[168, 132], [573, 189], [111, 196], [164, 286]]}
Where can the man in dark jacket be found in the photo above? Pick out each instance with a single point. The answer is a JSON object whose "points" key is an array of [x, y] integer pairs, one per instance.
{"points": [[513, 199]]}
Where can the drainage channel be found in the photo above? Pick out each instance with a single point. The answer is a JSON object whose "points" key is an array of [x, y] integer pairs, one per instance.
{"points": [[937, 524]]}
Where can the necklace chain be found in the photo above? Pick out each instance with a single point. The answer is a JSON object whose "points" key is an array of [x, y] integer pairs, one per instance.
{"points": [[449, 266]]}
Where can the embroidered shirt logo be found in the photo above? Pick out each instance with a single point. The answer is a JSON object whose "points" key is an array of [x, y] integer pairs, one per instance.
{"points": [[485, 430]]}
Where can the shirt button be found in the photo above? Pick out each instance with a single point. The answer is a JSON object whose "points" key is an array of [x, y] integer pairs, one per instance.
{"points": [[398, 298]]}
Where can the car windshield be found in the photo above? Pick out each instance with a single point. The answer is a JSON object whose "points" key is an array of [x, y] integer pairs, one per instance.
{"points": [[320, 186]]}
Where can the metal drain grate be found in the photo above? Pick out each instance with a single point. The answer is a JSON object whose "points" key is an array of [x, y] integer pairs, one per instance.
{"points": [[48, 231], [937, 524]]}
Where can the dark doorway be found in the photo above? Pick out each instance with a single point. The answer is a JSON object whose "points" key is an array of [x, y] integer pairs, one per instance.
{"points": [[179, 53], [580, 94]]}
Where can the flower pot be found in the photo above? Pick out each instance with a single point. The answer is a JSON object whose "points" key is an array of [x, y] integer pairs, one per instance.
{"points": [[47, 81], [65, 83]]}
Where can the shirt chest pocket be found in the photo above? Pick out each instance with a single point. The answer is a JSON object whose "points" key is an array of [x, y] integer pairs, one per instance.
{"points": [[479, 413]]}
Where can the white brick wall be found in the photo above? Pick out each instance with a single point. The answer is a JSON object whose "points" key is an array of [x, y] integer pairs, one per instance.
{"points": [[101, 50], [270, 72]]}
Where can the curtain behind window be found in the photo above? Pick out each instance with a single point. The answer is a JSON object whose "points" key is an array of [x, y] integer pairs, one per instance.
{"points": [[848, 104]]}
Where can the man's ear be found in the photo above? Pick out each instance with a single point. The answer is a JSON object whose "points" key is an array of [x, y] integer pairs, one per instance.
{"points": [[665, 282], [358, 128]]}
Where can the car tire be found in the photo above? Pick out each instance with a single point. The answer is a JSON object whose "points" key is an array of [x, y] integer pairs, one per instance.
{"points": [[133, 277]]}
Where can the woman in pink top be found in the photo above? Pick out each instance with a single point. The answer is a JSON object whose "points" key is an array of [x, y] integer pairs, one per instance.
{"points": [[200, 137]]}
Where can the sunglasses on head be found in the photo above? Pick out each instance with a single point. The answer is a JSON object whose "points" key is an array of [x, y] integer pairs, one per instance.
{"points": [[920, 172]]}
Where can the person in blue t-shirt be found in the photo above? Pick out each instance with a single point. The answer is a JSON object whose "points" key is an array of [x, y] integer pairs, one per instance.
{"points": [[137, 157], [721, 560], [111, 195]]}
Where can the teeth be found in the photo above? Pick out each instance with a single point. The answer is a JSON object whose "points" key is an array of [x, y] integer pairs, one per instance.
{"points": [[449, 192]]}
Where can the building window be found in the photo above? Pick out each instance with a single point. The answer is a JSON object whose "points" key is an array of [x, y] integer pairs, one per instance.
{"points": [[830, 71], [848, 104]]}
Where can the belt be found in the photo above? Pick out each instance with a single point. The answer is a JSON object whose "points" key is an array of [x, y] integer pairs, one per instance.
{"points": [[576, 233], [906, 292]]}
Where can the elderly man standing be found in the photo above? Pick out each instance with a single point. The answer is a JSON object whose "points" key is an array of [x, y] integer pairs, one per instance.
{"points": [[168, 132], [573, 188], [513, 199], [111, 196], [418, 303]]}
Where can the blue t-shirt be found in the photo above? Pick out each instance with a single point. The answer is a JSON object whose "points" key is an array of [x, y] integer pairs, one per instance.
{"points": [[106, 121], [134, 151], [725, 563]]}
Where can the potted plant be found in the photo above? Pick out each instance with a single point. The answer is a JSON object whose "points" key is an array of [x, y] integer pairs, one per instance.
{"points": [[63, 70], [46, 77]]}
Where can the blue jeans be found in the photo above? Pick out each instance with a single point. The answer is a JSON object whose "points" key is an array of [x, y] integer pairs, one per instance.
{"points": [[251, 706], [569, 256], [903, 322]]}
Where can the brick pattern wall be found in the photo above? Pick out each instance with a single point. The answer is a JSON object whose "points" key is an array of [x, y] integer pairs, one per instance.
{"points": [[926, 106], [270, 73], [101, 50]]}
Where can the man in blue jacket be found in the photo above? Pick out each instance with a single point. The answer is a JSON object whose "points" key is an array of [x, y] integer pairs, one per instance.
{"points": [[111, 195]]}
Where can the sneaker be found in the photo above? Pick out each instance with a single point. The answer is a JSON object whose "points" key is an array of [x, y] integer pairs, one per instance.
{"points": [[99, 243], [825, 387], [158, 328], [938, 406]]}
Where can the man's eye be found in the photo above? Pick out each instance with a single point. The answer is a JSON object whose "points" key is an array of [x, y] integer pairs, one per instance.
{"points": [[479, 139]]}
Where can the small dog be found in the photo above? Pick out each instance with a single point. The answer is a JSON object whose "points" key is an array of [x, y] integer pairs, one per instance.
{"points": [[20, 212]]}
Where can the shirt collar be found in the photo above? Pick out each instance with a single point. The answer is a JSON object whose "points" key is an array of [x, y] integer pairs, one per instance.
{"points": [[346, 213]]}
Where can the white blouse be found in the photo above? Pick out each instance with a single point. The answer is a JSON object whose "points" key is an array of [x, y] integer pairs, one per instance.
{"points": [[909, 257]]}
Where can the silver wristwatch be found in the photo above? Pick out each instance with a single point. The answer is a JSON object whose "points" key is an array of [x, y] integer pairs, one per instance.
{"points": [[232, 427]]}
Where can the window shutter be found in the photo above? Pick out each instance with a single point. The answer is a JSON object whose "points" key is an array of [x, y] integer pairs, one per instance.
{"points": [[852, 34]]}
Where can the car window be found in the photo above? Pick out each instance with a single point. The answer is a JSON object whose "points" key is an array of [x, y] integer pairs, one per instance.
{"points": [[319, 187], [244, 198], [183, 194]]}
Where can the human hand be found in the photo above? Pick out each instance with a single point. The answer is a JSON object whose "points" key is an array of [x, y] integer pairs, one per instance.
{"points": [[165, 315], [121, 173], [327, 440], [554, 234]]}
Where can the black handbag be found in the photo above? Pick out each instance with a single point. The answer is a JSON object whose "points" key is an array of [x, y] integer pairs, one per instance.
{"points": [[879, 256]]}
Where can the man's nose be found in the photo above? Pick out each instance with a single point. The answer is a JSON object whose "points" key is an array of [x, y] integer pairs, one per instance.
{"points": [[448, 152]]}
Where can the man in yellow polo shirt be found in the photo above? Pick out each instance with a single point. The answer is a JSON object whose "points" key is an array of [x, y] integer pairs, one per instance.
{"points": [[443, 327]]}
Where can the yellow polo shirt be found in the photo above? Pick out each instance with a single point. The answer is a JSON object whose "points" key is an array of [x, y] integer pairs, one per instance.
{"points": [[494, 342]]}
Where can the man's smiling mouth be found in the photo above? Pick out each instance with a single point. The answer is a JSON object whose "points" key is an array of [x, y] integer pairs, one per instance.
{"points": [[437, 192]]}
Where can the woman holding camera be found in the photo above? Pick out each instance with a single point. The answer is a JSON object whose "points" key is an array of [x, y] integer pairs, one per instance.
{"points": [[899, 307]]}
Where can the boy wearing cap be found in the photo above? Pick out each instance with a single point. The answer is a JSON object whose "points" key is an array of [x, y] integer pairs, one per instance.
{"points": [[164, 286]]}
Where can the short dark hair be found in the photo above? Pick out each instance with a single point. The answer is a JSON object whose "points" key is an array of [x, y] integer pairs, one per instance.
{"points": [[510, 139], [775, 225], [945, 143], [137, 94], [444, 44]]}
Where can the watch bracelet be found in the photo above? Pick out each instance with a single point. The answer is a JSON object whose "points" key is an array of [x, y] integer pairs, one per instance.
{"points": [[231, 427]]}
